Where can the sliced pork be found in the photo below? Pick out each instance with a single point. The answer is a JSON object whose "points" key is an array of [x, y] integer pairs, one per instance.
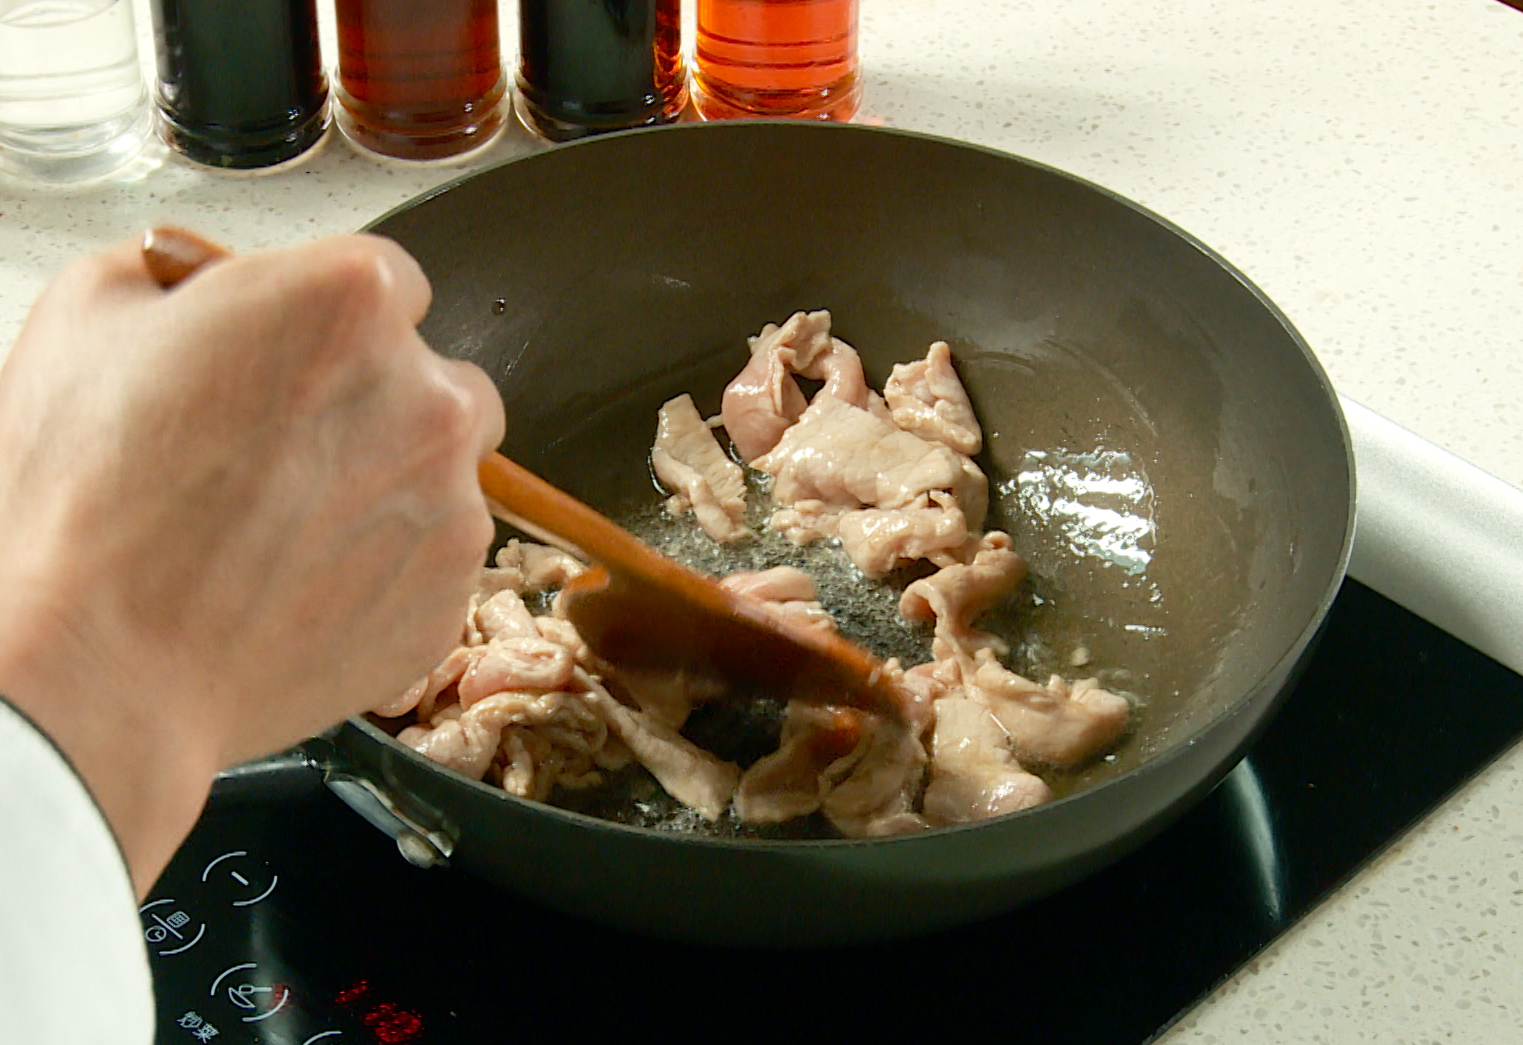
{"points": [[689, 774], [778, 584], [790, 782], [764, 399], [880, 540], [806, 521], [786, 591], [468, 749], [541, 742], [425, 691], [563, 633], [974, 775], [701, 477], [928, 399], [842, 455], [956, 596], [520, 664], [920, 687], [504, 615], [526, 568], [667, 697], [874, 791], [1058, 723]]}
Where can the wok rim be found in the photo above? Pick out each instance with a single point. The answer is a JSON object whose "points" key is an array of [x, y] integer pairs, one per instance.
{"points": [[1282, 667]]}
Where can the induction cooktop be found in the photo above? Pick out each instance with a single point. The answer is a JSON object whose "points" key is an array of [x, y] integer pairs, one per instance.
{"points": [[286, 919]]}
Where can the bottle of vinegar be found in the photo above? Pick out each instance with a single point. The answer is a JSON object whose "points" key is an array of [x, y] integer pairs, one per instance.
{"points": [[789, 58], [419, 79], [587, 66]]}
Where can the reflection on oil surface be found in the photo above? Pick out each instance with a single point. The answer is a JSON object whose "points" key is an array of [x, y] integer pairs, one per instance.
{"points": [[1098, 503]]}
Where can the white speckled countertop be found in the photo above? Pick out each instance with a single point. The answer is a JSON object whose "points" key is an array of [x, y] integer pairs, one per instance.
{"points": [[1361, 160]]}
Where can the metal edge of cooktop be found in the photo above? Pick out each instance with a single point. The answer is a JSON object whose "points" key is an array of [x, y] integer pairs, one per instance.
{"points": [[1438, 536]]}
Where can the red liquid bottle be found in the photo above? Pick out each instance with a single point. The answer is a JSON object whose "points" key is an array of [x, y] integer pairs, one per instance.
{"points": [[791, 58], [419, 79]]}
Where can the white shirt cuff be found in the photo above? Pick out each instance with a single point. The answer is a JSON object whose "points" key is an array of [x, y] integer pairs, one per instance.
{"points": [[73, 965]]}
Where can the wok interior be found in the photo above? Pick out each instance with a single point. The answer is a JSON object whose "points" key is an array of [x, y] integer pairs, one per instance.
{"points": [[633, 267]]}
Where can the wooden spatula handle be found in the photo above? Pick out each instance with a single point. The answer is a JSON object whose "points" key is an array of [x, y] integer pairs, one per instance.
{"points": [[172, 253], [536, 501]]}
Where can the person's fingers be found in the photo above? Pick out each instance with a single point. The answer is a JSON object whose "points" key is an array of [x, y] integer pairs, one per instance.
{"points": [[118, 271], [482, 400], [405, 276], [373, 265], [384, 268]]}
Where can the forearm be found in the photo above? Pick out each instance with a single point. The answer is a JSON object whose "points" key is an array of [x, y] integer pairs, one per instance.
{"points": [[148, 778]]}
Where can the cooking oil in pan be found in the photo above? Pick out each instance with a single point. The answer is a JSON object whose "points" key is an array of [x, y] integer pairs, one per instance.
{"points": [[867, 612]]}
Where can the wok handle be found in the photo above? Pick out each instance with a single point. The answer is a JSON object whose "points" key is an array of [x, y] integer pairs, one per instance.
{"points": [[308, 767], [424, 837], [419, 845], [290, 774]]}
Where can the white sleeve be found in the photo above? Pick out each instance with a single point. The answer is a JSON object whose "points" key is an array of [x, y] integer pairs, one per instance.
{"points": [[73, 964]]}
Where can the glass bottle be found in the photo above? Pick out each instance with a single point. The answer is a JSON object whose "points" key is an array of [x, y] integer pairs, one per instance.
{"points": [[72, 101], [587, 66], [239, 85], [785, 58], [419, 79]]}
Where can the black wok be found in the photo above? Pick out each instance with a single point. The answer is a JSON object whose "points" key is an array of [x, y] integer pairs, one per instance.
{"points": [[1086, 329]]}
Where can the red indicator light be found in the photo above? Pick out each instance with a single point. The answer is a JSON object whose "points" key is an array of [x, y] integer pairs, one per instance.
{"points": [[352, 993], [389, 1023], [393, 1026]]}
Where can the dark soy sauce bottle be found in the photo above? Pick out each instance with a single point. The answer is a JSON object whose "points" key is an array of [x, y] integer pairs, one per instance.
{"points": [[587, 66], [240, 84]]}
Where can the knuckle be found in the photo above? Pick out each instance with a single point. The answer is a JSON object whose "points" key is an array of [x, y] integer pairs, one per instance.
{"points": [[85, 277], [450, 416], [353, 277]]}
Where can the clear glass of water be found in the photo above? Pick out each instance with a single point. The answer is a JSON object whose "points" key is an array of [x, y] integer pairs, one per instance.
{"points": [[73, 102]]}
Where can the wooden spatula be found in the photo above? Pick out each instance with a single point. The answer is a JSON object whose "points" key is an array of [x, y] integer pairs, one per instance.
{"points": [[635, 608]]}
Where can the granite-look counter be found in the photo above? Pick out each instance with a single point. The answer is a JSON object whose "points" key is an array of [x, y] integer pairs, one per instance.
{"points": [[1361, 160]]}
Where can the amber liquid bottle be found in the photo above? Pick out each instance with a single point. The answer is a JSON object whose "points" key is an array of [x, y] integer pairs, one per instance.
{"points": [[587, 66], [786, 58], [419, 79]]}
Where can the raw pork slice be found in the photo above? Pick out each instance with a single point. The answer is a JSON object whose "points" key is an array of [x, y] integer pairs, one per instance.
{"points": [[689, 774], [927, 398], [956, 596], [843, 455], [973, 774], [1056, 723], [789, 782], [689, 463], [873, 791], [879, 540], [764, 399], [786, 591]]}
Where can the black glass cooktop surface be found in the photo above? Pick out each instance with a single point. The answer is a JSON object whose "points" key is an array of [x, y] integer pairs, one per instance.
{"points": [[288, 920]]}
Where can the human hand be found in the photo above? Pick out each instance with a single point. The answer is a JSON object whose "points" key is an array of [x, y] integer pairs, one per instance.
{"points": [[236, 512]]}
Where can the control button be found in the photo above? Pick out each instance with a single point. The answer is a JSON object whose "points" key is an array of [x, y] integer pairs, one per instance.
{"points": [[244, 992], [168, 925], [246, 874], [199, 1027]]}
